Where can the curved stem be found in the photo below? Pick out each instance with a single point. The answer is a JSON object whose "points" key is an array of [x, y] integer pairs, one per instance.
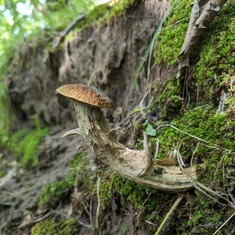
{"points": [[136, 165]]}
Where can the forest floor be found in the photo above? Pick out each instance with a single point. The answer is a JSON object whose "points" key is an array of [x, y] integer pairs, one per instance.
{"points": [[50, 186]]}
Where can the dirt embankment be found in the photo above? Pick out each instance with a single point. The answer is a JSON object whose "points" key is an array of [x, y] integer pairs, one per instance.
{"points": [[106, 56]]}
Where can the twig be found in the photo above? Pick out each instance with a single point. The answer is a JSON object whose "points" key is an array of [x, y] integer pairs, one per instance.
{"points": [[98, 206], [176, 203], [63, 33], [224, 224], [179, 157], [149, 222], [84, 225], [6, 204], [194, 152], [19, 193], [143, 206], [146, 147], [186, 133], [35, 220], [206, 190], [157, 148]]}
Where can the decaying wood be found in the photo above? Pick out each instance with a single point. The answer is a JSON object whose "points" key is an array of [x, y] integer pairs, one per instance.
{"points": [[136, 165], [203, 12]]}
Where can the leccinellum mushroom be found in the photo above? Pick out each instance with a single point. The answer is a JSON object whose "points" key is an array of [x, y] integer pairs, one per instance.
{"points": [[96, 133], [136, 165], [85, 97], [86, 94]]}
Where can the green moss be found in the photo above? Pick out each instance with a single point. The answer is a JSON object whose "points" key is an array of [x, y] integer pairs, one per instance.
{"points": [[54, 192], [217, 56], [142, 198], [169, 101], [203, 133], [24, 144], [5, 114], [120, 8], [202, 217], [57, 191], [126, 229], [208, 136], [102, 14], [170, 40], [50, 227], [97, 15], [202, 122]]}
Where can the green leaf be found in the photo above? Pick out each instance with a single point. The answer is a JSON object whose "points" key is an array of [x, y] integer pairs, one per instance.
{"points": [[150, 130]]}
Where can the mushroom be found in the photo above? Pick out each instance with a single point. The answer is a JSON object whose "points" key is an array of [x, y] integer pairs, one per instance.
{"points": [[95, 131], [136, 165]]}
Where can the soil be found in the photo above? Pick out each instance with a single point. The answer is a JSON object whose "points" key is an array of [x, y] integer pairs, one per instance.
{"points": [[106, 57]]}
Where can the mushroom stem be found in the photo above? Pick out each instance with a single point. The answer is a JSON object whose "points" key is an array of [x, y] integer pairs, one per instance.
{"points": [[96, 132], [136, 165]]}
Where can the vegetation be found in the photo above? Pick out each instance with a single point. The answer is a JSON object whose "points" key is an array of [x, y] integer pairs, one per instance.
{"points": [[217, 56], [24, 144], [102, 14], [195, 127], [5, 114], [20, 19], [51, 227], [170, 40], [142, 198]]}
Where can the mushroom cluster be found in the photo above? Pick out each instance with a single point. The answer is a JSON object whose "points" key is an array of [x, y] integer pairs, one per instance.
{"points": [[136, 165]]}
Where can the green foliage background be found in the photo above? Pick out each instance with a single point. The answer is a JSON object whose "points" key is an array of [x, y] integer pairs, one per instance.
{"points": [[21, 20]]}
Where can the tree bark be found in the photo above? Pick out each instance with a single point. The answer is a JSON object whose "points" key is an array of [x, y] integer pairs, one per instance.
{"points": [[203, 12]]}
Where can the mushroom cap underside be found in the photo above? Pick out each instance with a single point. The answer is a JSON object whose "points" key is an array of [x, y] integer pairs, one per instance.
{"points": [[85, 94]]}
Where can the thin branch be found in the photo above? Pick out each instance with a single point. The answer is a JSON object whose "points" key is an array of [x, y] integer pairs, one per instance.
{"points": [[63, 33], [224, 224], [98, 206], [176, 203]]}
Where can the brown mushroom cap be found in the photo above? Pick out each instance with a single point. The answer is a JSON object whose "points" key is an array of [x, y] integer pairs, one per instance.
{"points": [[85, 94]]}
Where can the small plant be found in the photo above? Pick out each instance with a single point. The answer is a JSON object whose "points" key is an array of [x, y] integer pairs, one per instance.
{"points": [[24, 144], [126, 229], [51, 227]]}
